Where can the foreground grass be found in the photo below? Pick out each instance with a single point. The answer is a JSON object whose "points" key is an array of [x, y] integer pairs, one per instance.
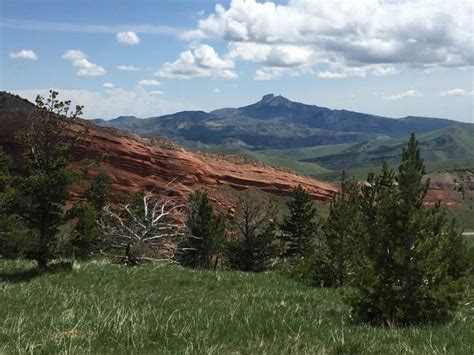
{"points": [[101, 308]]}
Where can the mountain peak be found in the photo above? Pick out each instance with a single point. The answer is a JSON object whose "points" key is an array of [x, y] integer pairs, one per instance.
{"points": [[272, 100]]}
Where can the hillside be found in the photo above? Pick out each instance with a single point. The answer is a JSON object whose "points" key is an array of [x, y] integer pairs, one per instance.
{"points": [[274, 123], [103, 309], [134, 163], [450, 143]]}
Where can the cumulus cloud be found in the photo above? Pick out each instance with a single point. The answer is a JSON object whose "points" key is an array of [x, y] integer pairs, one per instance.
{"points": [[157, 92], [456, 92], [129, 38], [128, 68], [217, 90], [109, 85], [148, 83], [82, 64], [202, 61], [113, 102], [404, 95], [23, 54], [347, 37], [340, 70]]}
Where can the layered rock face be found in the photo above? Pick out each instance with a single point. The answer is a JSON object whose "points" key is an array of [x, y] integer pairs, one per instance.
{"points": [[136, 163]]}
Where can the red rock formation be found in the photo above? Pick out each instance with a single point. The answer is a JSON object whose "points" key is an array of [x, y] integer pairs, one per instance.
{"points": [[134, 163]]}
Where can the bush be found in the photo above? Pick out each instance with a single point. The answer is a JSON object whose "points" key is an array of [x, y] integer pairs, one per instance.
{"points": [[85, 234]]}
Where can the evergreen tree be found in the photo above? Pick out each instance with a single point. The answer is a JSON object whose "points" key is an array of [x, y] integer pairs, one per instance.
{"points": [[13, 234], [97, 193], [206, 233], [340, 233], [300, 228], [412, 265], [85, 234], [252, 246], [43, 189]]}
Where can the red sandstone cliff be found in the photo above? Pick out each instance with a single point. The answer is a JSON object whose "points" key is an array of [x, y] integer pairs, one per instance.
{"points": [[134, 162]]}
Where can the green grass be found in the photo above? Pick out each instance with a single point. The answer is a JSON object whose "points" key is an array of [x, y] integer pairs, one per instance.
{"points": [[100, 308]]}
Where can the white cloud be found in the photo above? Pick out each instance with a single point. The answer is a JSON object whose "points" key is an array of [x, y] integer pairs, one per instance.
{"points": [[456, 92], [148, 83], [403, 95], [270, 73], [129, 38], [157, 92], [83, 65], [202, 61], [364, 37], [128, 68], [115, 102], [339, 70], [109, 85], [271, 55], [23, 54], [217, 90]]}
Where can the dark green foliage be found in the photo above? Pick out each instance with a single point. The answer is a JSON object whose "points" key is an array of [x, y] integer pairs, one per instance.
{"points": [[412, 265], [339, 239], [43, 188], [252, 246], [205, 233], [300, 228], [97, 194], [85, 234], [13, 234]]}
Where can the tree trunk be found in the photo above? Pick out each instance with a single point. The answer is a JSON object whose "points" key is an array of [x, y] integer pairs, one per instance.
{"points": [[42, 256]]}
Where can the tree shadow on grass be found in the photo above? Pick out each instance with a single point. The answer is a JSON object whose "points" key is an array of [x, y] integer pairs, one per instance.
{"points": [[21, 276]]}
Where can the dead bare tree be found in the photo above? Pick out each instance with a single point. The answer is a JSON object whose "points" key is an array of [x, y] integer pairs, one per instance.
{"points": [[147, 229]]}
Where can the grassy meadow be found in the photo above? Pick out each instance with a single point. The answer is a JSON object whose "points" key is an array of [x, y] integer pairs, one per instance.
{"points": [[101, 308]]}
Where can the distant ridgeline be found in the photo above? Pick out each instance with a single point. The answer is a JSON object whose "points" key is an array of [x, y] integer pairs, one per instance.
{"points": [[275, 123]]}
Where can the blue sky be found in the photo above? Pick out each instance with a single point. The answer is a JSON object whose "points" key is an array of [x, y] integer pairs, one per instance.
{"points": [[383, 57]]}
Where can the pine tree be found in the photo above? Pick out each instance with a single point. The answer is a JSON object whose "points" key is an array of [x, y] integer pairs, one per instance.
{"points": [[97, 193], [206, 233], [253, 245], [339, 236], [300, 228], [44, 188], [85, 233], [412, 264], [13, 233]]}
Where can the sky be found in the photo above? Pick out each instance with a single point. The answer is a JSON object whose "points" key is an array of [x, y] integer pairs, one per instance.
{"points": [[154, 57]]}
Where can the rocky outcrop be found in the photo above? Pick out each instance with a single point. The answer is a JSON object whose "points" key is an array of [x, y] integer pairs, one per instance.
{"points": [[136, 163]]}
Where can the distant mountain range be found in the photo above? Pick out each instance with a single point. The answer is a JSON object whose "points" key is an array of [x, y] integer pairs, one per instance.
{"points": [[274, 123]]}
